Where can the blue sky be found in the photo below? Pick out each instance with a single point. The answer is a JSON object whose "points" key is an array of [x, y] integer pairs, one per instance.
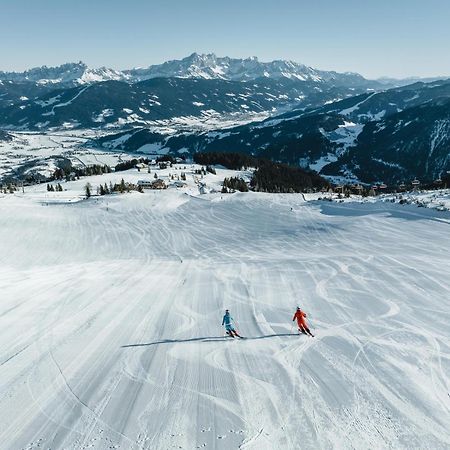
{"points": [[374, 37]]}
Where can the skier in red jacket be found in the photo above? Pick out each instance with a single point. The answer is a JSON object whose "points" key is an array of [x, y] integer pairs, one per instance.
{"points": [[301, 322]]}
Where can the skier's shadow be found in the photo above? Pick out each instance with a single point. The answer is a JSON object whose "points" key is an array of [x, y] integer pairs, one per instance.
{"points": [[207, 339]]}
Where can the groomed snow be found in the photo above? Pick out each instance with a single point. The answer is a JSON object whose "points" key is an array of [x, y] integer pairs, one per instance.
{"points": [[110, 317]]}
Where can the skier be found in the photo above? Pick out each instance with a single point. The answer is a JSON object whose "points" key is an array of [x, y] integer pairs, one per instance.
{"points": [[228, 322], [301, 322]]}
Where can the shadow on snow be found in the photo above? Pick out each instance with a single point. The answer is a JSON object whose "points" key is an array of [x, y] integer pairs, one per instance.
{"points": [[208, 339]]}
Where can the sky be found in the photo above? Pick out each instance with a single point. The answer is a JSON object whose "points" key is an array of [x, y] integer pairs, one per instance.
{"points": [[396, 38]]}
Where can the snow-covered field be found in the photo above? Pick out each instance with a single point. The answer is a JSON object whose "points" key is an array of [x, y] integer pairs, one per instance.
{"points": [[110, 317], [32, 152], [438, 199], [36, 152]]}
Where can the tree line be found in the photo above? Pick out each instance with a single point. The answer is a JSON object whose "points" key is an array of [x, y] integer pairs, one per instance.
{"points": [[269, 176], [281, 178], [230, 160]]}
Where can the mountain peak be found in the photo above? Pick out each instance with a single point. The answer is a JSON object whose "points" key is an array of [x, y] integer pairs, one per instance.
{"points": [[196, 65]]}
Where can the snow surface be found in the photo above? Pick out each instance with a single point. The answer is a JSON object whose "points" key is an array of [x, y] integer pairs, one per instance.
{"points": [[110, 317], [345, 135], [30, 151], [352, 109]]}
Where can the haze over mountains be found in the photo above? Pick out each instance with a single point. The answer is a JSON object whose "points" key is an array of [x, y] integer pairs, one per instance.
{"points": [[335, 123]]}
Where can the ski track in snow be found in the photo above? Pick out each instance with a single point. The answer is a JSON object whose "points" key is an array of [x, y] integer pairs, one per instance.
{"points": [[110, 331]]}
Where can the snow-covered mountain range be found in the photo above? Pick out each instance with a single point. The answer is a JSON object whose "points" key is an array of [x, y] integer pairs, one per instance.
{"points": [[334, 123], [391, 135], [117, 103], [235, 86], [207, 66], [211, 66], [70, 73]]}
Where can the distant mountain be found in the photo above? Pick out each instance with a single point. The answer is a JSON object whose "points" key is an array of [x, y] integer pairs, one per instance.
{"points": [[388, 136], [17, 87], [119, 104], [12, 93], [211, 66], [66, 74], [207, 67], [334, 123], [398, 82], [412, 143], [199, 85]]}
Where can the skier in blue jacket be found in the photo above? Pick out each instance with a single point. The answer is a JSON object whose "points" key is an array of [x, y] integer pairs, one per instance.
{"points": [[228, 322]]}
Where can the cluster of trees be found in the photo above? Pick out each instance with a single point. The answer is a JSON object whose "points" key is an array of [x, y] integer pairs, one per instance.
{"points": [[8, 189], [70, 173], [204, 170], [230, 160], [57, 188], [105, 189], [168, 159], [281, 178], [125, 165], [269, 176], [234, 184], [201, 171], [165, 161]]}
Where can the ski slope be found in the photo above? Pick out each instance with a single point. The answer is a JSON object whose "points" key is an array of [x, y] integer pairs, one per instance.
{"points": [[110, 317]]}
